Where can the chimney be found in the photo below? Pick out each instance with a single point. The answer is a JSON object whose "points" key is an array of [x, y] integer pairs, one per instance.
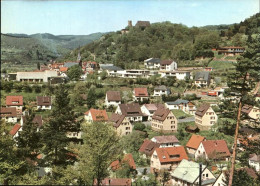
{"points": [[129, 23]]}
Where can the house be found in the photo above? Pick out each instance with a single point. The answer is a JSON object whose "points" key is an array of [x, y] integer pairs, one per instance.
{"points": [[15, 130], [37, 120], [209, 69], [132, 111], [166, 141], [194, 143], [94, 115], [167, 158], [75, 134], [140, 94], [43, 102], [164, 120], [205, 117], [187, 173], [149, 109], [14, 101], [63, 69], [115, 181], [178, 74], [128, 158], [121, 123], [9, 114], [252, 111], [161, 90], [231, 50], [42, 76], [112, 98], [254, 161], [148, 147], [152, 63], [168, 65], [142, 24], [202, 79], [213, 150], [184, 105], [110, 69]]}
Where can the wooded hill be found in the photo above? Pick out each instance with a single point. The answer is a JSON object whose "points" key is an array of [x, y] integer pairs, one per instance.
{"points": [[22, 48], [166, 40]]}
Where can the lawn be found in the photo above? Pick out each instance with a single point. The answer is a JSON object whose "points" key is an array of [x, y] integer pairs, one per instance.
{"points": [[221, 64], [179, 114]]}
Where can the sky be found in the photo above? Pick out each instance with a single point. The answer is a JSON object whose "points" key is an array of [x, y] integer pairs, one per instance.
{"points": [[82, 17]]}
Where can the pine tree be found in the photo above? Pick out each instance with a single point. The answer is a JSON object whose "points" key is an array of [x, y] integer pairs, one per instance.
{"points": [[61, 121], [242, 82]]}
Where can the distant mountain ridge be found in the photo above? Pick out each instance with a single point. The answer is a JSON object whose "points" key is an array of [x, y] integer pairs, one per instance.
{"points": [[40, 46]]}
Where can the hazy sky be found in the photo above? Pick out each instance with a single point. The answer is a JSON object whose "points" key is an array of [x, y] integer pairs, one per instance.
{"points": [[85, 17]]}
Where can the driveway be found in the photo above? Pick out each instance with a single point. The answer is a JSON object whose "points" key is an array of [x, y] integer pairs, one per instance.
{"points": [[185, 120]]}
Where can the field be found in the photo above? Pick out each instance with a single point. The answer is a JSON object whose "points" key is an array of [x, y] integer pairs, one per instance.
{"points": [[180, 114], [221, 64]]}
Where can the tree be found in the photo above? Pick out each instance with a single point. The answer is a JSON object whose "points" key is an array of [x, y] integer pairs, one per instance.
{"points": [[29, 139], [100, 148], [242, 178], [132, 142], [38, 66], [91, 98], [61, 121], [139, 126], [74, 72], [241, 82], [11, 166]]}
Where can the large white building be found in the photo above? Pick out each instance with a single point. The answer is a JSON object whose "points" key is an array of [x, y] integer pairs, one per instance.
{"points": [[36, 76]]}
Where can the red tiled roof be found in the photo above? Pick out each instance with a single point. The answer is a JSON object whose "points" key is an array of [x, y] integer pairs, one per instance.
{"points": [[115, 182], [8, 112], [128, 158], [161, 113], [195, 141], [202, 110], [15, 129], [140, 92], [166, 62], [148, 147], [14, 101], [216, 148], [171, 154], [43, 100], [98, 115], [64, 69], [113, 96], [166, 139]]}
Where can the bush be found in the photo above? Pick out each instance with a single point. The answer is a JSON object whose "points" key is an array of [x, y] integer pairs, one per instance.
{"points": [[139, 126]]}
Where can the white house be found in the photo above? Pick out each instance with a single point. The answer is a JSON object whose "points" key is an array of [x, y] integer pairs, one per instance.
{"points": [[44, 102], [94, 115], [14, 101], [112, 98], [213, 150], [161, 90], [140, 94], [179, 74], [131, 111], [36, 76], [254, 161], [8, 114], [149, 109], [168, 65], [187, 173], [152, 63]]}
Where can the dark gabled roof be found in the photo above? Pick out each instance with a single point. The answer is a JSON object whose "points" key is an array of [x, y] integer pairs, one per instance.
{"points": [[131, 109], [177, 102], [117, 119], [8, 112], [254, 157], [202, 110], [113, 96], [247, 109], [204, 75], [43, 100], [161, 113], [148, 147], [166, 139], [166, 62], [37, 119]]}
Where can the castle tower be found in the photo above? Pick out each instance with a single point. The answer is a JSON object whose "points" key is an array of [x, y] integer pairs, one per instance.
{"points": [[129, 23]]}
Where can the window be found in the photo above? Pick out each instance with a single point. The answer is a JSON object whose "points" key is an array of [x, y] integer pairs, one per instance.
{"points": [[207, 175], [199, 151]]}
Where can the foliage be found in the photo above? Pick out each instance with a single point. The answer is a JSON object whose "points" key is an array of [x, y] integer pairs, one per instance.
{"points": [[74, 72], [91, 98], [242, 178], [132, 142], [139, 126], [100, 148], [61, 121]]}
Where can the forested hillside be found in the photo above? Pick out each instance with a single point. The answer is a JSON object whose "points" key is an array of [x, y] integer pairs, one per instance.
{"points": [[167, 40]]}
